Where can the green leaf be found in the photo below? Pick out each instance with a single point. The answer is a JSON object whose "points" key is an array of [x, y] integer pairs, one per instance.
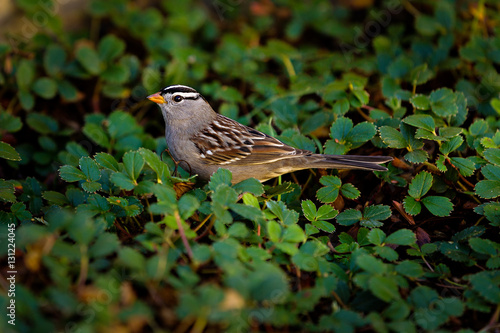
{"points": [[97, 134], [341, 107], [274, 231], [361, 133], [151, 79], [421, 74], [219, 177], [491, 172], [486, 284], [107, 161], [67, 90], [91, 187], [392, 137], [325, 226], [450, 132], [188, 204], [123, 181], [465, 166], [401, 237], [416, 156], [488, 189], [326, 212], [425, 134], [493, 155], [251, 200], [341, 128], [89, 60], [274, 191], [294, 234], [8, 152], [349, 217], [479, 127], [330, 192], [115, 74], [384, 288], [7, 191], [484, 246], [42, 123], [371, 264], [350, 191], [287, 216], [420, 185], [54, 59], [55, 198], [461, 116], [420, 102], [155, 163], [451, 145], [106, 244], [9, 123], [90, 168], [71, 174], [410, 269], [133, 163], [412, 206], [443, 102], [26, 99], [362, 95], [376, 236], [421, 121], [25, 74], [439, 206], [250, 185], [45, 87], [238, 230], [309, 209], [110, 47], [387, 253], [376, 213]]}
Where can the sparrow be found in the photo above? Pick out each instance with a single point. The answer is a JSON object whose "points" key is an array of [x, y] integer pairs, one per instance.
{"points": [[206, 141]]}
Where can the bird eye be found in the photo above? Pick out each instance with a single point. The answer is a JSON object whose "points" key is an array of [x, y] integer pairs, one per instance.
{"points": [[177, 98]]}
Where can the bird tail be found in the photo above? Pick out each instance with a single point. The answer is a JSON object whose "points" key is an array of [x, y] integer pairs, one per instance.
{"points": [[351, 162]]}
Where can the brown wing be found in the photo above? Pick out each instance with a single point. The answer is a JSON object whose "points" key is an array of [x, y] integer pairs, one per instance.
{"points": [[226, 141]]}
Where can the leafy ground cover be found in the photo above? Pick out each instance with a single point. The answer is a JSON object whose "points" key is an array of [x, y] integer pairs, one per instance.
{"points": [[110, 235]]}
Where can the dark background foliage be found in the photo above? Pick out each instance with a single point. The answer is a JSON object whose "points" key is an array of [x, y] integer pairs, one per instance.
{"points": [[110, 235]]}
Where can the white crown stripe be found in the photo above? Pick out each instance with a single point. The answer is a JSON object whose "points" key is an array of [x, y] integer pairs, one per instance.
{"points": [[188, 95]]}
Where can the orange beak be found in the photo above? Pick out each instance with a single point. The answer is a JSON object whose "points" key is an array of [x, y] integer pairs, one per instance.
{"points": [[157, 98]]}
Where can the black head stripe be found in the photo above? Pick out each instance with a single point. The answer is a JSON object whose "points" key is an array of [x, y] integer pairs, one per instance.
{"points": [[177, 88]]}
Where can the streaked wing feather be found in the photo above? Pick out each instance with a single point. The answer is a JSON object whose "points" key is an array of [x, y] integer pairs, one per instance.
{"points": [[226, 141]]}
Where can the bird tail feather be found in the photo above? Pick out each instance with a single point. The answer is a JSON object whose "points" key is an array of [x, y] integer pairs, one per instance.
{"points": [[352, 162]]}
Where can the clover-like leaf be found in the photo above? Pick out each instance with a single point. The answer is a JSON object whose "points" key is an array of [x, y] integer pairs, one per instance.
{"points": [[401, 237], [488, 189], [420, 102], [443, 102], [330, 192], [107, 161], [493, 155], [437, 205], [8, 152], [89, 60], [465, 166], [133, 163], [421, 121], [451, 145], [372, 215], [90, 169], [349, 217], [350, 191], [420, 185], [392, 137], [71, 174]]}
